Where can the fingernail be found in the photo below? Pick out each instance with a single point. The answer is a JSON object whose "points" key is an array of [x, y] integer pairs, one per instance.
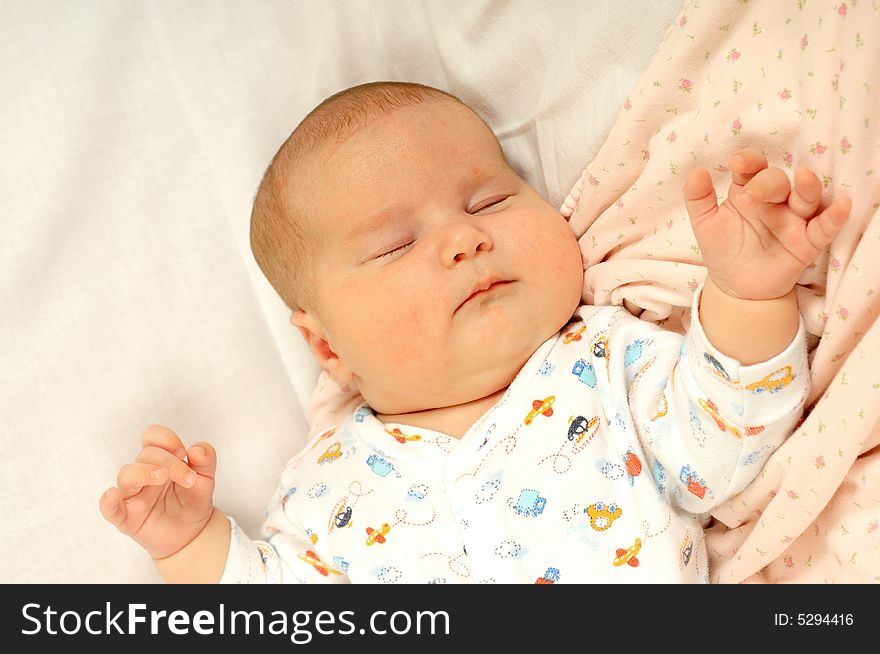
{"points": [[737, 160], [180, 453], [747, 199], [157, 474], [189, 478], [198, 451]]}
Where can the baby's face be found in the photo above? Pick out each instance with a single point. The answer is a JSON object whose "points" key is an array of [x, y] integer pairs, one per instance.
{"points": [[439, 270]]}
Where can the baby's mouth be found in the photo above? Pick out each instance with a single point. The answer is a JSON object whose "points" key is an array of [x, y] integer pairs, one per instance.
{"points": [[484, 288]]}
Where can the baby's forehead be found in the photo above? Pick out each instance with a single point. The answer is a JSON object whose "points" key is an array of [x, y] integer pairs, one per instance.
{"points": [[428, 131], [372, 157]]}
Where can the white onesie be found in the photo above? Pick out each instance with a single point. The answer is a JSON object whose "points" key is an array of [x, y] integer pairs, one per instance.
{"points": [[599, 464]]}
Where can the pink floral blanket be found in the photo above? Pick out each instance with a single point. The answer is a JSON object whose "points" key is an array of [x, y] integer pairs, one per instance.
{"points": [[800, 81]]}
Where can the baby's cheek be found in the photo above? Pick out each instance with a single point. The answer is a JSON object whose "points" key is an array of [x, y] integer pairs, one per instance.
{"points": [[560, 268], [555, 248], [414, 335], [569, 251], [396, 338]]}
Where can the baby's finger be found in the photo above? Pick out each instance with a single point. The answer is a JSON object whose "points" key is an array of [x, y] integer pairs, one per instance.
{"points": [[157, 455], [178, 471], [202, 459], [161, 436], [807, 194], [112, 507], [822, 229], [699, 196], [133, 477], [769, 185], [745, 164]]}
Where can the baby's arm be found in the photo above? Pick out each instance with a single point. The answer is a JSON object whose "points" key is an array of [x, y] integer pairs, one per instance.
{"points": [[222, 552], [704, 424], [756, 245], [171, 515], [165, 504], [288, 553], [708, 419]]}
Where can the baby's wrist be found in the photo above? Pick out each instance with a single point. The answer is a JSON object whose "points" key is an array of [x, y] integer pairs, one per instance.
{"points": [[203, 559], [750, 331], [165, 550], [729, 292]]}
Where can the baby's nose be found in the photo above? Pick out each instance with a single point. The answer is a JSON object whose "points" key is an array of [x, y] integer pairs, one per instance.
{"points": [[461, 242]]}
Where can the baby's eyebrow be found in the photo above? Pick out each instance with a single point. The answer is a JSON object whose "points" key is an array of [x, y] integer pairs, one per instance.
{"points": [[481, 176], [374, 222]]}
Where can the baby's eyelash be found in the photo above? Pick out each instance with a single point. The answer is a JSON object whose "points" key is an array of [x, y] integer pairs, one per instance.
{"points": [[491, 203], [402, 248]]}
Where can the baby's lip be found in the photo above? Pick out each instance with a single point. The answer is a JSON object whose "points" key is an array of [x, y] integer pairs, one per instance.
{"points": [[484, 286]]}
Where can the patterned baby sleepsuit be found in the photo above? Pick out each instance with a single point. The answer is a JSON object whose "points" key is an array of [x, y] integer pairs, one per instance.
{"points": [[599, 464]]}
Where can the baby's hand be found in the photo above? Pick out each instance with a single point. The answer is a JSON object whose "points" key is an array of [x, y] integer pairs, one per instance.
{"points": [[161, 502], [758, 243]]}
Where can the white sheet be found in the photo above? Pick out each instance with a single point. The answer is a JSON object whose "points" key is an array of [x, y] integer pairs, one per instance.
{"points": [[133, 136]]}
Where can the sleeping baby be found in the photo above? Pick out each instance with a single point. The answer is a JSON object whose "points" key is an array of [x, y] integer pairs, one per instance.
{"points": [[507, 434]]}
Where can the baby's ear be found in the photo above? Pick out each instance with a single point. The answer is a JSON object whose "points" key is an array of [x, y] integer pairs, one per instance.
{"points": [[315, 335]]}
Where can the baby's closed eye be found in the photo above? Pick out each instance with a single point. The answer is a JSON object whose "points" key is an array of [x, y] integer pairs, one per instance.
{"points": [[400, 249], [488, 203]]}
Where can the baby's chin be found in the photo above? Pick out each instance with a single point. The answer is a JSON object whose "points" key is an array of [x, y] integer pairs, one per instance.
{"points": [[479, 379], [483, 363]]}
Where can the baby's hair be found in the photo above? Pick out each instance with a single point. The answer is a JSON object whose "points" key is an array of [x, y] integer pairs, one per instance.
{"points": [[280, 236]]}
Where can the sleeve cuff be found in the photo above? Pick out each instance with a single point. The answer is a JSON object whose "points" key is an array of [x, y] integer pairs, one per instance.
{"points": [[748, 396], [243, 558]]}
